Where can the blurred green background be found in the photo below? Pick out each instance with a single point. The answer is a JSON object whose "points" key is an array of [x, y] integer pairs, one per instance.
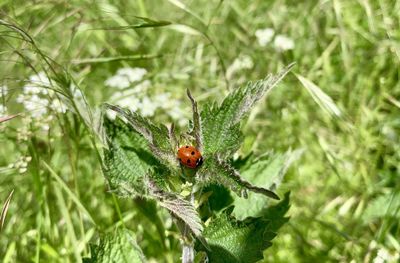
{"points": [[340, 104]]}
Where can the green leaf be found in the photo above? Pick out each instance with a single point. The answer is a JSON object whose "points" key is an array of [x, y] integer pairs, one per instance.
{"points": [[220, 197], [221, 124], [179, 208], [243, 241], [118, 247], [132, 170], [196, 123], [158, 137], [266, 171], [127, 161], [216, 171]]}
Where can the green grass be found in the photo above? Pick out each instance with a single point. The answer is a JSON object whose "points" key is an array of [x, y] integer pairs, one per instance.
{"points": [[344, 189]]}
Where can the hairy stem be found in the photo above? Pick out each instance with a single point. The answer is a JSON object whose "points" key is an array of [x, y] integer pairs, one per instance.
{"points": [[187, 246], [187, 253]]}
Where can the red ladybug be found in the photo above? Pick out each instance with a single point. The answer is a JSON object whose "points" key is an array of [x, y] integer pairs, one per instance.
{"points": [[189, 156]]}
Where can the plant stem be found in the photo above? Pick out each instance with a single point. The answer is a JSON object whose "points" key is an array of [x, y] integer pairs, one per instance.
{"points": [[187, 246], [187, 253]]}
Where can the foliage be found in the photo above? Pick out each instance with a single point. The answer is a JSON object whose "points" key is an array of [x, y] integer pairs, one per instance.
{"points": [[220, 131], [340, 106], [220, 125], [129, 170], [118, 247], [266, 171], [140, 157], [244, 241]]}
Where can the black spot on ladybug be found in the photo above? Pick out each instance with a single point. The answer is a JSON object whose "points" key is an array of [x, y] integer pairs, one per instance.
{"points": [[192, 153], [199, 161], [188, 161], [187, 147]]}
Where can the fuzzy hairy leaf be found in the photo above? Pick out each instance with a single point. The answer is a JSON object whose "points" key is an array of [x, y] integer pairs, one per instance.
{"points": [[267, 171], [179, 208], [219, 197], [118, 247], [158, 137], [132, 170], [127, 161], [196, 123], [221, 124], [217, 171], [243, 241]]}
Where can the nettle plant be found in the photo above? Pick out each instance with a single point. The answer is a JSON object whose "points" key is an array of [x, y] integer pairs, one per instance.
{"points": [[141, 161]]}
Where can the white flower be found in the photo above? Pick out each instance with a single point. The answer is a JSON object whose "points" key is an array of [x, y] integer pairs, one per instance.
{"points": [[32, 89], [246, 62], [37, 84], [283, 43], [133, 74], [34, 101], [125, 77], [382, 256], [147, 107], [129, 102], [163, 100], [178, 114], [35, 105], [3, 109], [264, 36], [22, 170], [118, 81], [142, 86], [242, 62], [23, 133], [40, 79], [21, 164], [58, 106], [45, 126], [39, 112]]}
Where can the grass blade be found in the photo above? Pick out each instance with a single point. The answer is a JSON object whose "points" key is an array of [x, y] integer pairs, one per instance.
{"points": [[73, 197], [5, 209], [321, 98], [111, 59], [182, 6], [144, 23]]}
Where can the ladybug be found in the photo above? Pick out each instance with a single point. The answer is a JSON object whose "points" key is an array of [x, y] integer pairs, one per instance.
{"points": [[190, 157]]}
